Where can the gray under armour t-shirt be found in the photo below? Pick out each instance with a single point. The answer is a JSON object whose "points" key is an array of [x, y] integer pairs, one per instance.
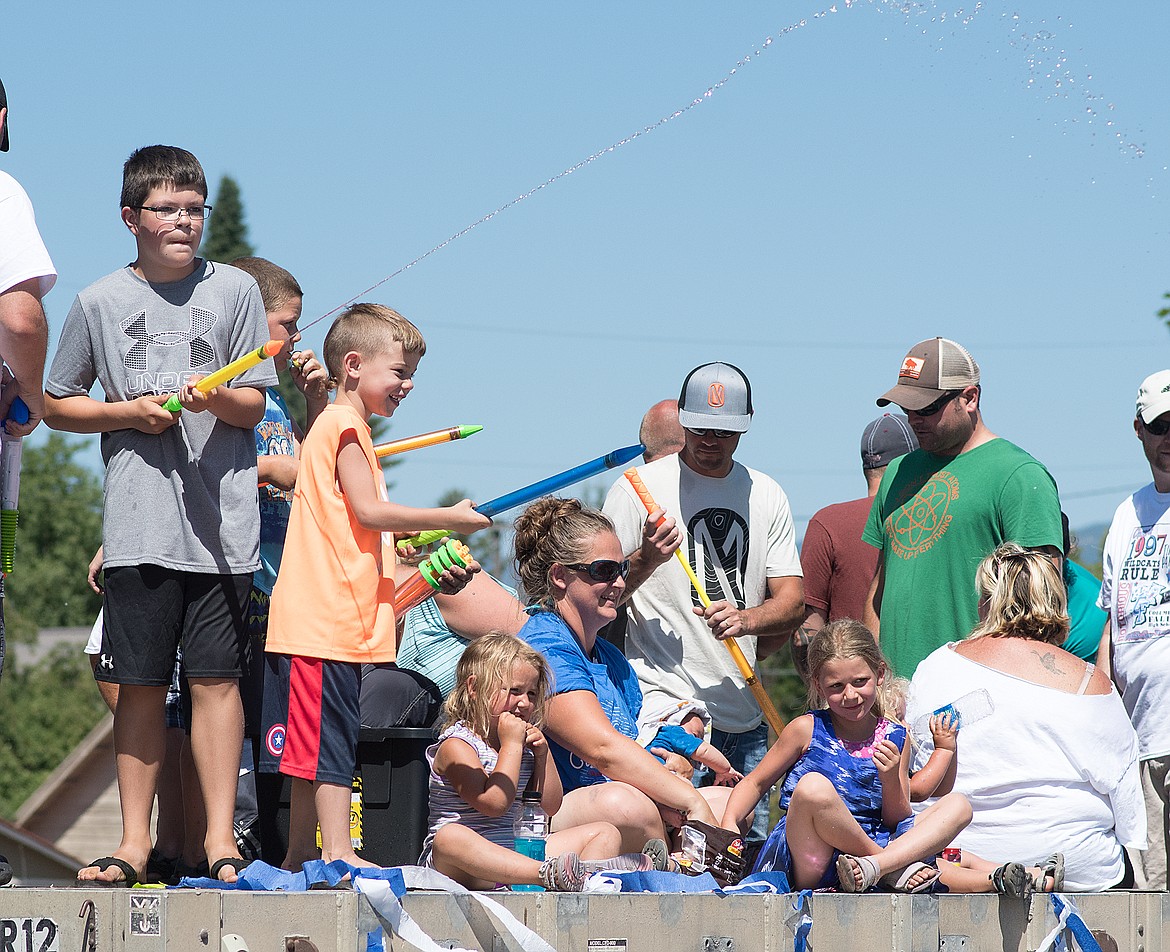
{"points": [[186, 498]]}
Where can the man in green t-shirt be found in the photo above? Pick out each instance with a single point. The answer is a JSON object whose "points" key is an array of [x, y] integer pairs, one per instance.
{"points": [[942, 508]]}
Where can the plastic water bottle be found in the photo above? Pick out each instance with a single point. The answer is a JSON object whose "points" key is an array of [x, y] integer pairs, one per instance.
{"points": [[964, 712], [531, 831]]}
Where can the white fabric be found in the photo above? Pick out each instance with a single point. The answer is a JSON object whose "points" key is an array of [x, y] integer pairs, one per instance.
{"points": [[94, 645], [668, 711], [738, 535], [22, 252], [496, 928], [1136, 592], [1045, 771]]}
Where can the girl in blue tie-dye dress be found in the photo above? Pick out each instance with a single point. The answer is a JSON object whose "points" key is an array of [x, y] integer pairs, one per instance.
{"points": [[848, 821]]}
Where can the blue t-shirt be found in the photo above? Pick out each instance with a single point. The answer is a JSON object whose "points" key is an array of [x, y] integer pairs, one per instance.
{"points": [[274, 437], [607, 674]]}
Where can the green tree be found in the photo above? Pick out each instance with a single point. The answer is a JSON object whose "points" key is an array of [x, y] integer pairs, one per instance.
{"points": [[45, 711], [60, 529], [227, 232]]}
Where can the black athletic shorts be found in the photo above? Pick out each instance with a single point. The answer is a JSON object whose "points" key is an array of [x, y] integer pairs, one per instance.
{"points": [[151, 610]]}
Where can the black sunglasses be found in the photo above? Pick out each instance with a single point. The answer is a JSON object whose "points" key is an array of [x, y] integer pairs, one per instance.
{"points": [[718, 434], [1158, 427], [603, 570], [932, 408]]}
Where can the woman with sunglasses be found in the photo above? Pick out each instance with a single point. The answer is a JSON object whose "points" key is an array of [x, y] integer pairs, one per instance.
{"points": [[573, 573]]}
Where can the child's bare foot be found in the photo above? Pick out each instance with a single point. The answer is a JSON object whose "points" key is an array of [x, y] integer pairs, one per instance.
{"points": [[351, 858], [294, 863]]}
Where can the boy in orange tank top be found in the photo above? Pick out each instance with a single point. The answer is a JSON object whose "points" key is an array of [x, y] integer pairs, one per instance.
{"points": [[332, 605]]}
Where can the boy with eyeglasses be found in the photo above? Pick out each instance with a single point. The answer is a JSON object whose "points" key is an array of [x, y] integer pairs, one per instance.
{"points": [[181, 529]]}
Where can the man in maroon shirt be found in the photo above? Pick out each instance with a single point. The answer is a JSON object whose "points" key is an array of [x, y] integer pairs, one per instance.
{"points": [[838, 566]]}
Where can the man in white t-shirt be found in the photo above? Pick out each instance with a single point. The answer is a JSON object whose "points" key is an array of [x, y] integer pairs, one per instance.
{"points": [[26, 274], [739, 539], [1135, 591]]}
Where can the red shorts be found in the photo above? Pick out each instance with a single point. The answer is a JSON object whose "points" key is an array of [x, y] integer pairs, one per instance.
{"points": [[311, 718]]}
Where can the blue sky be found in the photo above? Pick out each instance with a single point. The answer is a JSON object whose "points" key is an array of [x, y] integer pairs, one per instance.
{"points": [[877, 176]]}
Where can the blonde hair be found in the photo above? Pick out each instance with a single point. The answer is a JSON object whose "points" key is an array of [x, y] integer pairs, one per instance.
{"points": [[490, 660], [553, 531], [368, 329], [844, 639], [1024, 595]]}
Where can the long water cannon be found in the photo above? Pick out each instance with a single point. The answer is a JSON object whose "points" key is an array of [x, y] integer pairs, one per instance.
{"points": [[552, 484], [11, 452], [228, 371], [424, 583], [408, 443], [737, 655]]}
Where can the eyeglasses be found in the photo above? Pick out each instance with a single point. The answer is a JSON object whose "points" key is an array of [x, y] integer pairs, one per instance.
{"points": [[1158, 427], [172, 213], [933, 408], [718, 434], [603, 570]]}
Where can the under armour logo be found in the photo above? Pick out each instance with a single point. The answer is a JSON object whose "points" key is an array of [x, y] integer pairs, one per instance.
{"points": [[134, 327], [106, 662], [715, 395]]}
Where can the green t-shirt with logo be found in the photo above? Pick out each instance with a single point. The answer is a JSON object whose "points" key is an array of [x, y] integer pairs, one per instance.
{"points": [[935, 519]]}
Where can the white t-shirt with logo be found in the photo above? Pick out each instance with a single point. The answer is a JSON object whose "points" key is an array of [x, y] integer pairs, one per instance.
{"points": [[739, 534], [1135, 590]]}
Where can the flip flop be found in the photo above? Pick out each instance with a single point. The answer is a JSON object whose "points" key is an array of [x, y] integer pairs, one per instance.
{"points": [[899, 881], [237, 863], [129, 874], [847, 865]]}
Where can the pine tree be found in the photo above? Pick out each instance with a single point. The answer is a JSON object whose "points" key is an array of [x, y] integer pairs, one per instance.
{"points": [[227, 232]]}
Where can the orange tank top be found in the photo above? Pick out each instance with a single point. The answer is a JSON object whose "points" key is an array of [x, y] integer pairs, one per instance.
{"points": [[334, 595]]}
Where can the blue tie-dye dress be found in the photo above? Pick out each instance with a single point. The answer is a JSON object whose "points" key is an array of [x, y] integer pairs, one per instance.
{"points": [[851, 769]]}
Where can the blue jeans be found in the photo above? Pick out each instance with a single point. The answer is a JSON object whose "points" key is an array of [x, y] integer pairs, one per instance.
{"points": [[744, 751]]}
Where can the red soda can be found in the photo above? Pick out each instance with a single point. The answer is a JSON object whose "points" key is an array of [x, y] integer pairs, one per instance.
{"points": [[952, 854]]}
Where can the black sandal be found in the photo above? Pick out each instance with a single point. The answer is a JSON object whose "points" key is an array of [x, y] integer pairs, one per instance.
{"points": [[129, 874], [1012, 879], [237, 863]]}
